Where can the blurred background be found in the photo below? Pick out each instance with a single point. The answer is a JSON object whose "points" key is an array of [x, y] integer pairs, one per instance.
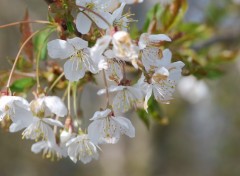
{"points": [[203, 134]]}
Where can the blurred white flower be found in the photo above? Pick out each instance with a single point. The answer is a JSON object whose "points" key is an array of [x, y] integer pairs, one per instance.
{"points": [[81, 148], [50, 150], [192, 90], [107, 128], [76, 49]]}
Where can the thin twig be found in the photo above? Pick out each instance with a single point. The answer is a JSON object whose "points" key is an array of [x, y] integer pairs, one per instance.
{"points": [[17, 57], [106, 87], [21, 22]]}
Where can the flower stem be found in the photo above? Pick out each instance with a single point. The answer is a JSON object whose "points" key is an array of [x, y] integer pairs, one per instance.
{"points": [[55, 82], [17, 57], [69, 98], [21, 22], [106, 87]]}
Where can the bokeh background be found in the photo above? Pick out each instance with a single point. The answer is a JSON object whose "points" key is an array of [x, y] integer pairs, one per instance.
{"points": [[202, 138]]}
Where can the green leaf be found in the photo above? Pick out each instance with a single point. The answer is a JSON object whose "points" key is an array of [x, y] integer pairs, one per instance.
{"points": [[144, 117], [40, 43], [155, 112], [173, 15], [23, 84], [153, 13], [214, 73]]}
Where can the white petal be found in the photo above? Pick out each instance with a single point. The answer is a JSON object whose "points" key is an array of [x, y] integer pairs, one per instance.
{"points": [[158, 38], [118, 12], [101, 45], [52, 122], [21, 118], [126, 126], [83, 23], [56, 105], [101, 114], [147, 97], [166, 59], [99, 22], [59, 49], [74, 69], [94, 131], [83, 2], [112, 88], [37, 147], [78, 43]]}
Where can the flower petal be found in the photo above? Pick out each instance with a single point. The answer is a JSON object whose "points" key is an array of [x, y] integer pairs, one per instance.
{"points": [[78, 43], [59, 49], [101, 114], [126, 126], [56, 105], [74, 69], [52, 122], [37, 147], [94, 131], [83, 23]]}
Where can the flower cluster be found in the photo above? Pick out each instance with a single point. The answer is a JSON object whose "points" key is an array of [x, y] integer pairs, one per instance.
{"points": [[111, 54]]}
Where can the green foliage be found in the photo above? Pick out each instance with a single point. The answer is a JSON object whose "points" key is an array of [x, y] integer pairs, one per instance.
{"points": [[144, 117], [22, 84], [155, 112], [153, 14], [40, 43]]}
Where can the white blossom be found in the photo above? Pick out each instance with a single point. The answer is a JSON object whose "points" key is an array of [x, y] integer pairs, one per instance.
{"points": [[163, 82], [17, 109], [42, 109], [84, 18], [76, 49], [81, 148], [107, 128], [127, 97], [150, 54], [192, 90], [50, 150], [123, 49]]}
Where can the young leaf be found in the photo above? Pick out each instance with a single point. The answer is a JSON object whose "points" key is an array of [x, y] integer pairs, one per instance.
{"points": [[40, 43], [22, 84], [144, 117]]}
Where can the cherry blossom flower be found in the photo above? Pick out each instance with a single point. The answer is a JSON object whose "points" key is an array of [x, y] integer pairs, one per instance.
{"points": [[76, 49], [107, 128], [84, 18], [42, 109], [150, 54], [123, 49], [17, 109], [163, 82], [81, 148], [126, 98], [50, 150]]}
